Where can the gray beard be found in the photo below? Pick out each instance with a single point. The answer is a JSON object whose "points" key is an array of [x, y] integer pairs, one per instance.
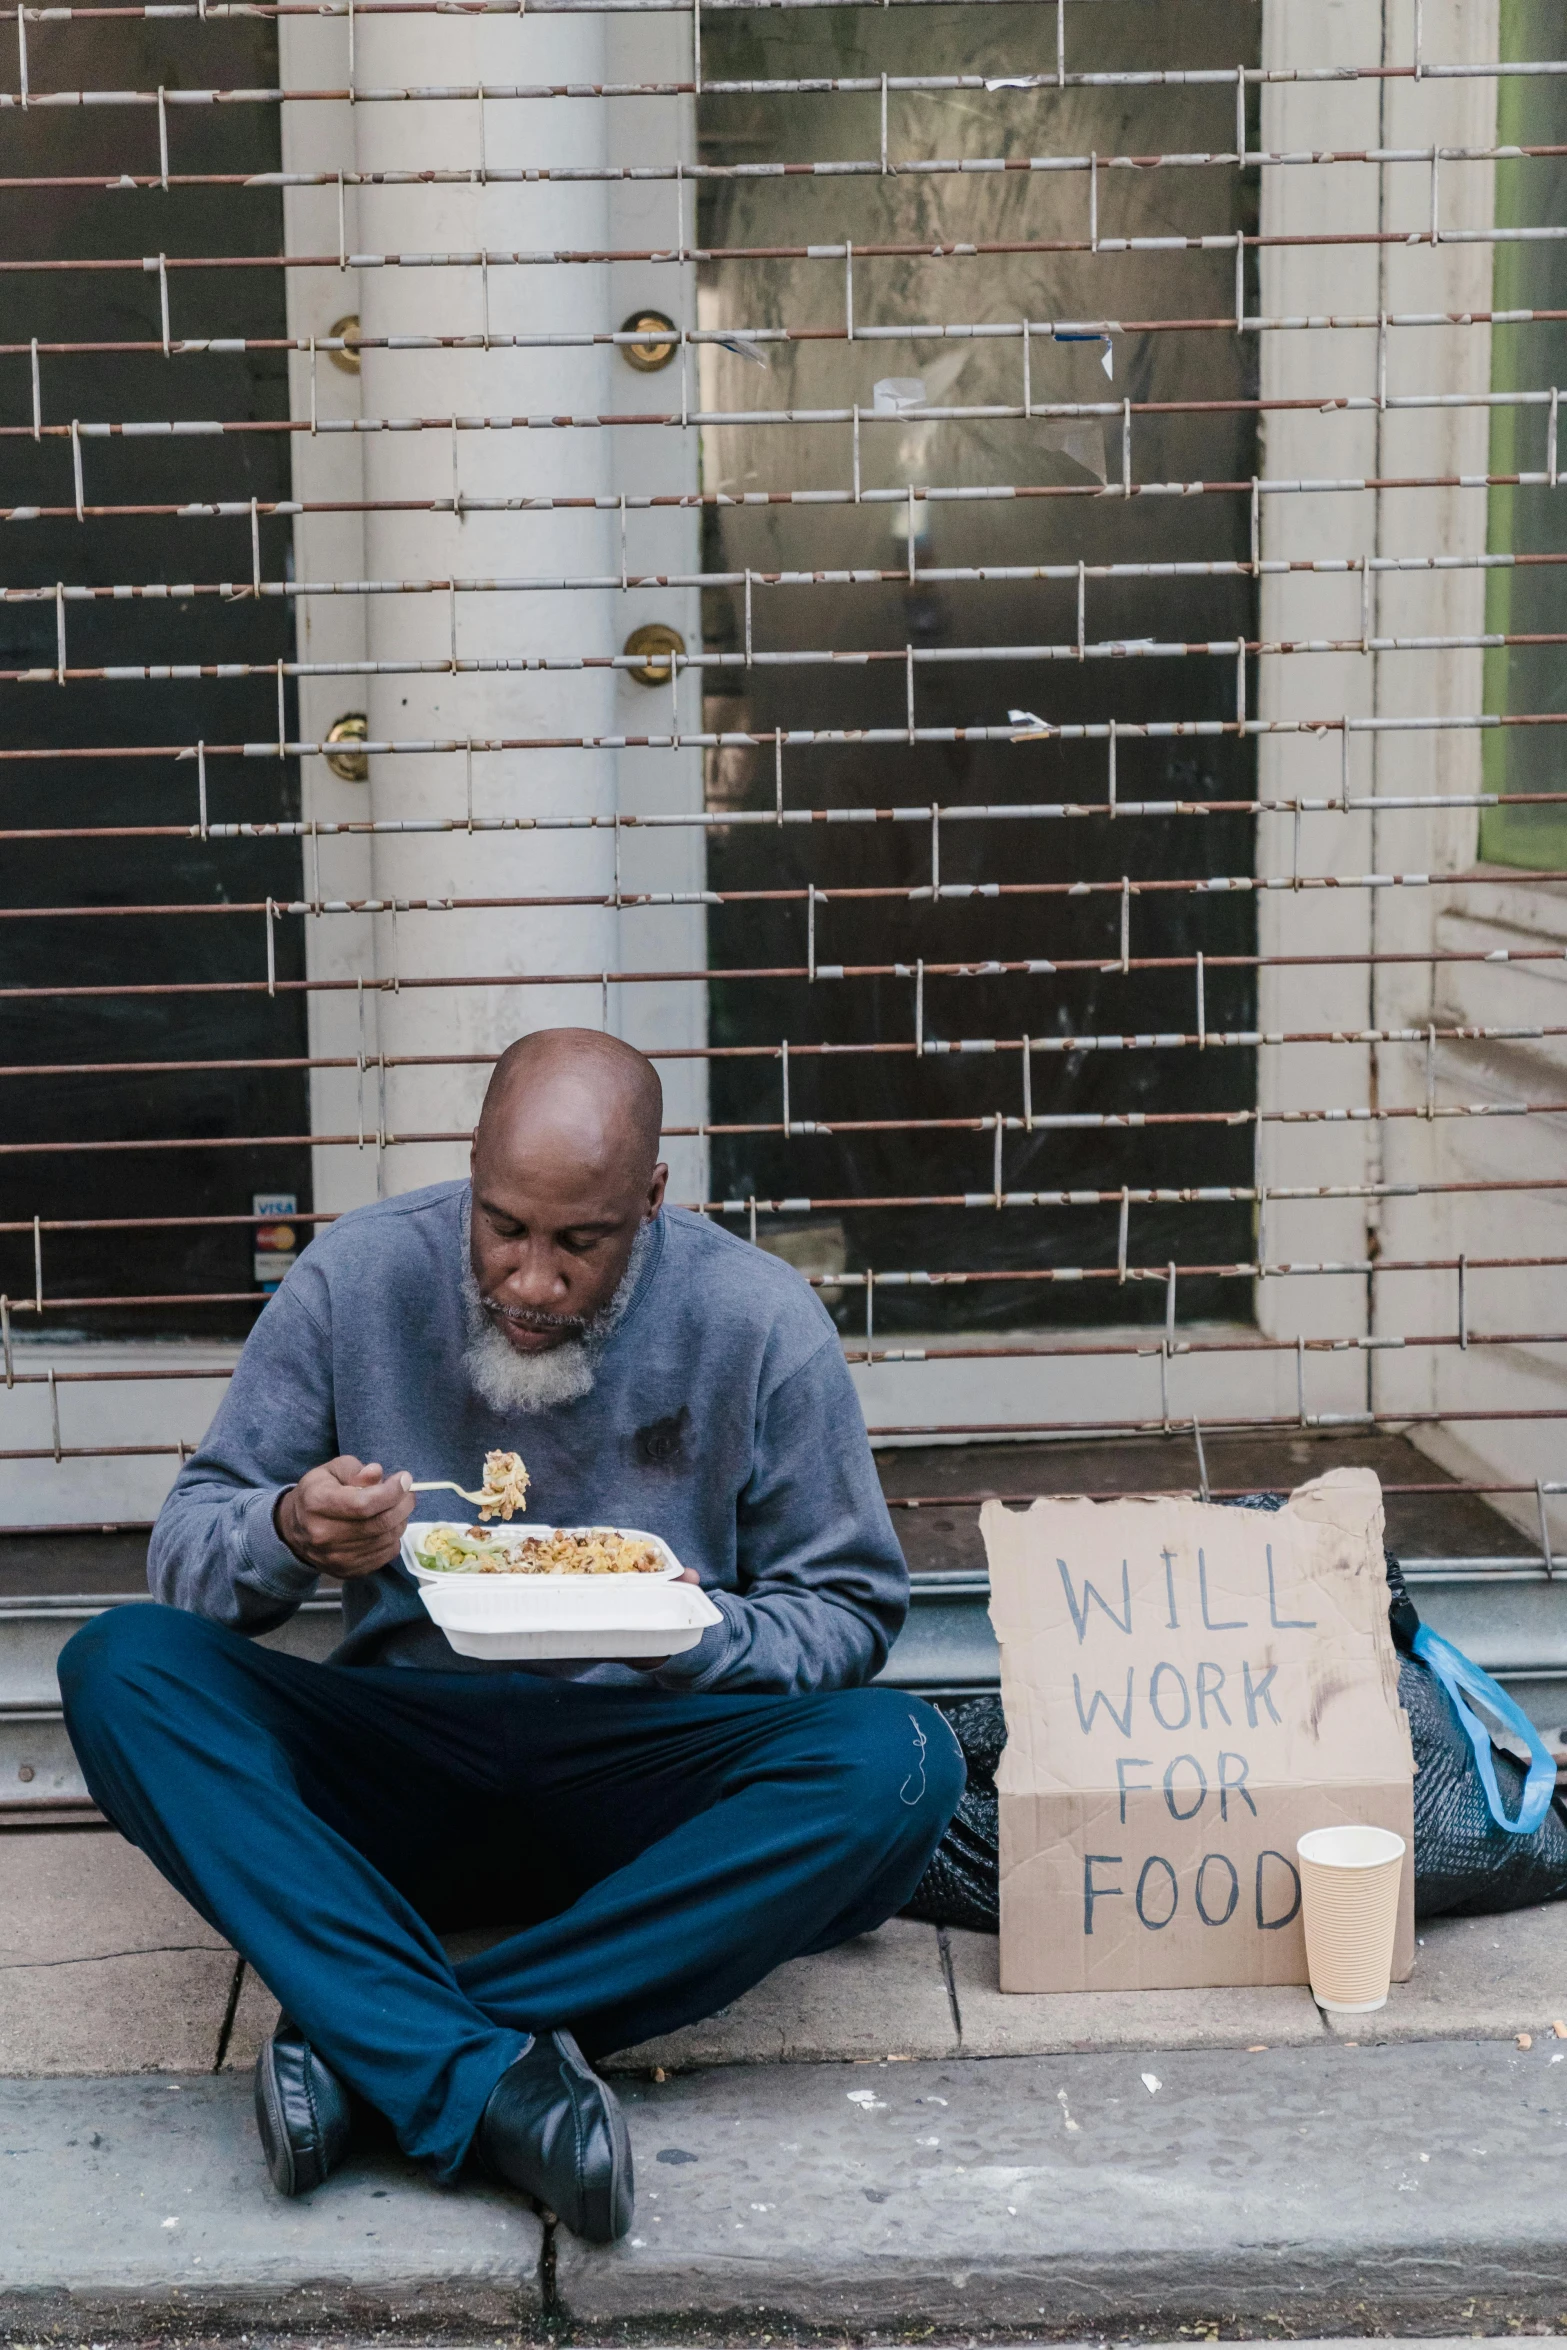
{"points": [[511, 1382]]}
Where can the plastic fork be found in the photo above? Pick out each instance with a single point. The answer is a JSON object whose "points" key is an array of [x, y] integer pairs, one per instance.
{"points": [[445, 1485]]}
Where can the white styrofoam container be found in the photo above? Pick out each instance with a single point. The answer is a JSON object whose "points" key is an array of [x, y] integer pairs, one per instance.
{"points": [[522, 1616], [561, 1616]]}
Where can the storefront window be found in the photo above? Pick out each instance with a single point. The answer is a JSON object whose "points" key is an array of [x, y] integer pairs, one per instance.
{"points": [[1523, 680]]}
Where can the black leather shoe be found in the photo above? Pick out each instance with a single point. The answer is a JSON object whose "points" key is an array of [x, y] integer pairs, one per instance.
{"points": [[302, 2112], [553, 2128]]}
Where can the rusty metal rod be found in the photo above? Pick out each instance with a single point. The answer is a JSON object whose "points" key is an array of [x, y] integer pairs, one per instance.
{"points": [[1152, 1425], [1127, 1041]]}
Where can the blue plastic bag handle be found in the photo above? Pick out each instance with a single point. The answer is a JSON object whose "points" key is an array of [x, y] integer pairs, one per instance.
{"points": [[1459, 1675]]}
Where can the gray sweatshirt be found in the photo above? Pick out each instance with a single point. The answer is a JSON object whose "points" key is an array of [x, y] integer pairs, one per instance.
{"points": [[722, 1418]]}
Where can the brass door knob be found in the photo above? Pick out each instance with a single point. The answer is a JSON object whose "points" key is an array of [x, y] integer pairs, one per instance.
{"points": [[648, 358], [658, 645], [348, 329], [347, 764]]}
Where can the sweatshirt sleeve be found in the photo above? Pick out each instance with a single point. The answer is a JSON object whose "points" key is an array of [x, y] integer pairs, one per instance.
{"points": [[823, 1585], [214, 1549]]}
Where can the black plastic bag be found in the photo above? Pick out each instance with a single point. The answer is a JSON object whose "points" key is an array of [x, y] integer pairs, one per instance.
{"points": [[1465, 1865]]}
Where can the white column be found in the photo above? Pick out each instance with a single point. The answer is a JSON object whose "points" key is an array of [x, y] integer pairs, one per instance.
{"points": [[410, 136], [1305, 200], [486, 215]]}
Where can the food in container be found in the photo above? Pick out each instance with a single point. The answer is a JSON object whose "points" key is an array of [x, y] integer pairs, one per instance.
{"points": [[546, 1550]]}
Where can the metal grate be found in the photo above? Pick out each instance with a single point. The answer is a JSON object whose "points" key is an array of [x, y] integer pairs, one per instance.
{"points": [[1081, 849]]}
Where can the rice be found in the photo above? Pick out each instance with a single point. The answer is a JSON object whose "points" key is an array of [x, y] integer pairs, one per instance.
{"points": [[579, 1550]]}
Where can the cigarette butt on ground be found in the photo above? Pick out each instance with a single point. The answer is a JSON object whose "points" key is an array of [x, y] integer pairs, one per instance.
{"points": [[1560, 2029], [1258, 2048], [1524, 2040]]}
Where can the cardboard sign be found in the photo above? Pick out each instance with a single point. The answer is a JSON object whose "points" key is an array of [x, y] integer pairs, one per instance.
{"points": [[1187, 1690]]}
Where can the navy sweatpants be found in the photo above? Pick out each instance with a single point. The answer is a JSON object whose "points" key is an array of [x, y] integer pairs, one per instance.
{"points": [[659, 1853]]}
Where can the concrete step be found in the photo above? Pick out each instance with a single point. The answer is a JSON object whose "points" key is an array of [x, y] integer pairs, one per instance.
{"points": [[1297, 2190], [1505, 1612], [40, 1777], [946, 1647]]}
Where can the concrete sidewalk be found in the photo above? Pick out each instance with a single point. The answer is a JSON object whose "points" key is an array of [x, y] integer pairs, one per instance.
{"points": [[1325, 2188], [876, 2140], [103, 1969]]}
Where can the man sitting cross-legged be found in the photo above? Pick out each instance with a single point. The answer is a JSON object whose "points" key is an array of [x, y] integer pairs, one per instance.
{"points": [[665, 1834]]}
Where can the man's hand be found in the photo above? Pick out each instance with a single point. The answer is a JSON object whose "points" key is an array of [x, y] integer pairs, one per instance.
{"points": [[345, 1518]]}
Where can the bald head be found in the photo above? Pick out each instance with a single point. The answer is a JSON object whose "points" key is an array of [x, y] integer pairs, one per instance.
{"points": [[604, 1093], [565, 1171]]}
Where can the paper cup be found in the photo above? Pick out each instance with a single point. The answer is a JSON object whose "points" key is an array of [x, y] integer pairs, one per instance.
{"points": [[1349, 1886]]}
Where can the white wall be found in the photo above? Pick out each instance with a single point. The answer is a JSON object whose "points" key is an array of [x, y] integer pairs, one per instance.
{"points": [[1316, 366]]}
